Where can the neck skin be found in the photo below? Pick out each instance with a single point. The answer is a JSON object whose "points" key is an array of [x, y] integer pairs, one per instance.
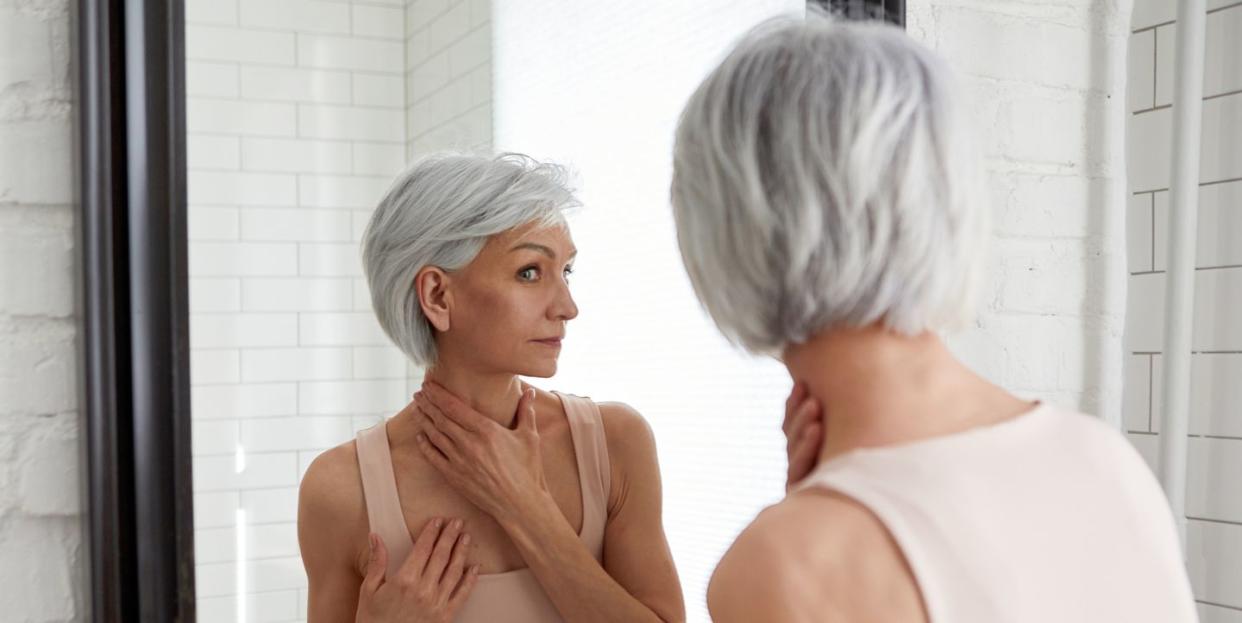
{"points": [[495, 395], [878, 388]]}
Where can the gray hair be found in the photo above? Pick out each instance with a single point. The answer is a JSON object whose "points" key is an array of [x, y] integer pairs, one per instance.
{"points": [[823, 178], [440, 212]]}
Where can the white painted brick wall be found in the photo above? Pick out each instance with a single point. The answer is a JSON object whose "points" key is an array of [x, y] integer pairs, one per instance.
{"points": [[42, 553], [1040, 80], [1214, 493]]}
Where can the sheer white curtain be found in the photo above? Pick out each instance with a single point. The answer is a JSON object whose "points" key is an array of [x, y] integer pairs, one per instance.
{"points": [[599, 86]]}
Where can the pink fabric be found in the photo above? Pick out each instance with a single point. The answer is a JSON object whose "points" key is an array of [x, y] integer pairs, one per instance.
{"points": [[1051, 516], [513, 596]]}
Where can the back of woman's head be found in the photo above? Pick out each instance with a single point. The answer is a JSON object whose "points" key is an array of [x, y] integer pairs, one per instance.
{"points": [[823, 178], [440, 212]]}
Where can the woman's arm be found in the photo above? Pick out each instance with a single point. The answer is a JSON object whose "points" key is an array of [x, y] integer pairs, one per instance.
{"points": [[500, 470], [638, 581], [429, 586], [325, 537]]}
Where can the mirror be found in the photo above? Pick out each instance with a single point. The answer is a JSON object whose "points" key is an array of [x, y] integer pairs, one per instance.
{"points": [[300, 114]]}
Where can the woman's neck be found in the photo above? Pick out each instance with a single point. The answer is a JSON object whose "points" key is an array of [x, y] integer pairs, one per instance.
{"points": [[877, 388], [495, 395]]}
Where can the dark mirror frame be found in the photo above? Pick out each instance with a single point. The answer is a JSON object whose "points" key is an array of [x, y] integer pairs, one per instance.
{"points": [[893, 11], [134, 293], [134, 322]]}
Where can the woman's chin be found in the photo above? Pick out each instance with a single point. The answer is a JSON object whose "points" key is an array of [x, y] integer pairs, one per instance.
{"points": [[539, 369]]}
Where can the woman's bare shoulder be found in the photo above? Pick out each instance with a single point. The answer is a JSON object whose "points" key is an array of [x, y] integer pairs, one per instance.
{"points": [[818, 550], [624, 423], [630, 439], [334, 476], [331, 502]]}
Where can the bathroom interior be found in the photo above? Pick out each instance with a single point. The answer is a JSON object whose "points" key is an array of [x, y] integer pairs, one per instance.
{"points": [[297, 115]]}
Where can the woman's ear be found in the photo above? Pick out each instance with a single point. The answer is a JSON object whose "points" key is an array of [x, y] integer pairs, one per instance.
{"points": [[431, 284]]}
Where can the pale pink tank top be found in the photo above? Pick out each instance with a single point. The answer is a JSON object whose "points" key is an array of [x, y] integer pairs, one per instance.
{"points": [[1050, 516], [513, 596]]}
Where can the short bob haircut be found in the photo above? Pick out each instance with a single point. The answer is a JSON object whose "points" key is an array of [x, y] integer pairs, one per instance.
{"points": [[823, 178], [440, 212]]}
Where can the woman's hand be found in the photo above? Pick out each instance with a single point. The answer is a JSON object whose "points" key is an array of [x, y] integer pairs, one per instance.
{"points": [[803, 427], [499, 469], [429, 587]]}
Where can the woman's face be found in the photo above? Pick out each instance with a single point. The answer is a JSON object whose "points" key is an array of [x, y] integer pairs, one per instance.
{"points": [[508, 308]]}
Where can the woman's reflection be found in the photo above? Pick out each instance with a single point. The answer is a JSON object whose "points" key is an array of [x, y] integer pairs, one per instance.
{"points": [[558, 497]]}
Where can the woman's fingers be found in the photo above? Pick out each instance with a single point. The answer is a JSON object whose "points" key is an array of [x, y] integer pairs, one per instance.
{"points": [[805, 452], [376, 564], [525, 415], [438, 419], [434, 456], [442, 443], [453, 408], [440, 554], [804, 414], [456, 566], [463, 588], [795, 397], [413, 567]]}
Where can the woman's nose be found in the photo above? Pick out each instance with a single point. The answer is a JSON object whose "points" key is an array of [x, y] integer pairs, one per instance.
{"points": [[564, 306]]}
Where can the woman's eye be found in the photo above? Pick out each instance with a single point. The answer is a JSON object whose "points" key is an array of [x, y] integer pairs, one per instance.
{"points": [[530, 269], [569, 270]]}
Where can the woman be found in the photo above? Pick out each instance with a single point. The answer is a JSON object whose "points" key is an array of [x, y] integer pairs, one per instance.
{"points": [[467, 259], [827, 211]]}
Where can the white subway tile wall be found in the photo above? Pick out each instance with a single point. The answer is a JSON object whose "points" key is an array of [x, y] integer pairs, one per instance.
{"points": [[1214, 491], [299, 114]]}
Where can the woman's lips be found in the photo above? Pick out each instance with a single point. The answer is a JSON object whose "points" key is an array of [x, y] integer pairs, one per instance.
{"points": [[549, 342]]}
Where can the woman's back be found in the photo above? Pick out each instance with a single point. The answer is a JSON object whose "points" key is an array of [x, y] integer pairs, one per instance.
{"points": [[1048, 516]]}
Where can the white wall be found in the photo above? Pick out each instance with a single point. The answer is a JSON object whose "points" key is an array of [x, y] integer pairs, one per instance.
{"points": [[43, 556], [1214, 491], [600, 85], [299, 114], [448, 75], [1045, 81], [296, 124]]}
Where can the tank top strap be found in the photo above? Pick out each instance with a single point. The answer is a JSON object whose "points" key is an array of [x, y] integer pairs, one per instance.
{"points": [[379, 487], [586, 428]]}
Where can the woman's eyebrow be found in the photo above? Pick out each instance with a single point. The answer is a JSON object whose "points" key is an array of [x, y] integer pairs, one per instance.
{"points": [[540, 248]]}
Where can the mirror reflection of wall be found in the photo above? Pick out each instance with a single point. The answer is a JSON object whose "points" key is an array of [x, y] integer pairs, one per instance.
{"points": [[298, 115], [301, 111]]}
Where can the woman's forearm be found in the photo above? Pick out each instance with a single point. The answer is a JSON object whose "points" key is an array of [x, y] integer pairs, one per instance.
{"points": [[576, 583]]}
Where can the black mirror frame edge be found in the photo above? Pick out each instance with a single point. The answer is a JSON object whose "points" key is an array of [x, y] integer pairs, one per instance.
{"points": [[134, 312], [893, 11]]}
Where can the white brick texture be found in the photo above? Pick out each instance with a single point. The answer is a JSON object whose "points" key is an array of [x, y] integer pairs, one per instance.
{"points": [[42, 554]]}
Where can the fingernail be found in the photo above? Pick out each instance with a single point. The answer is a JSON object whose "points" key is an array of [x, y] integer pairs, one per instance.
{"points": [[465, 539], [438, 522], [456, 524]]}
